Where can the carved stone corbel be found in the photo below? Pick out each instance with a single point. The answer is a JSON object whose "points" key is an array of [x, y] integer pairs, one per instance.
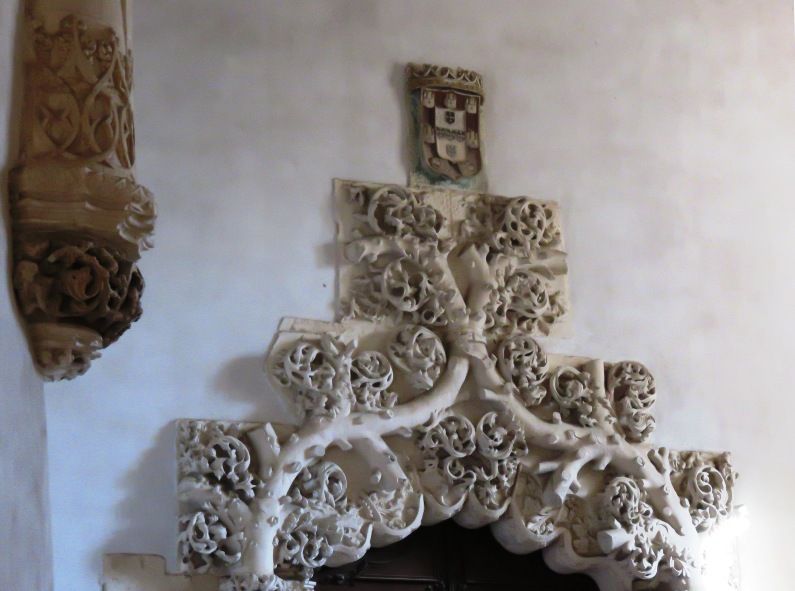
{"points": [[79, 219]]}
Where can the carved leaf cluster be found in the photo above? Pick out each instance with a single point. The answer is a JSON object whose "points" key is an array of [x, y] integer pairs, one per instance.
{"points": [[641, 540], [322, 520], [79, 282], [523, 302], [216, 487], [406, 287], [483, 458], [396, 212], [419, 352], [516, 227], [632, 390], [331, 378], [573, 391], [393, 511], [705, 483]]}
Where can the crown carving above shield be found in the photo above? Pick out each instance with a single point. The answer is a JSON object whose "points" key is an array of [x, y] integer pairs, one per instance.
{"points": [[445, 104], [430, 75]]}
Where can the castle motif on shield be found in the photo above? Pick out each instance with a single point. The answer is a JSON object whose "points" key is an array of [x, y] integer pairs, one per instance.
{"points": [[446, 107]]}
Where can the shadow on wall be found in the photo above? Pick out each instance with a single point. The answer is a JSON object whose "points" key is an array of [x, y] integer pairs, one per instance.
{"points": [[397, 80], [150, 487], [243, 379], [14, 128], [327, 255]]}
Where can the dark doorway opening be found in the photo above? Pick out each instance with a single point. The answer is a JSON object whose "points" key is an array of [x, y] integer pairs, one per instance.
{"points": [[447, 557]]}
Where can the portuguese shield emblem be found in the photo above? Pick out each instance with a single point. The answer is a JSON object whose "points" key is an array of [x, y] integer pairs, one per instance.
{"points": [[451, 139], [446, 104]]}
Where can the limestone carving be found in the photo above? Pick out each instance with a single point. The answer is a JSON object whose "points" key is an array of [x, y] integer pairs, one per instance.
{"points": [[406, 253], [432, 399], [502, 433], [79, 219]]}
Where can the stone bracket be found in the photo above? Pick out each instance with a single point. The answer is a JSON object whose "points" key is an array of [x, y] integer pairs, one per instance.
{"points": [[79, 220]]}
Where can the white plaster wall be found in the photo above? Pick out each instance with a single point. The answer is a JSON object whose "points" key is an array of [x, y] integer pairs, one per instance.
{"points": [[25, 552], [665, 128]]}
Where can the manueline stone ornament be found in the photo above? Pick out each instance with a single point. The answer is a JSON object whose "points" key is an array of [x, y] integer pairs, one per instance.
{"points": [[79, 219], [432, 397]]}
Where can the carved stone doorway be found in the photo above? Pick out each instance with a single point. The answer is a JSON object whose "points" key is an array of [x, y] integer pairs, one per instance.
{"points": [[431, 400], [448, 557]]}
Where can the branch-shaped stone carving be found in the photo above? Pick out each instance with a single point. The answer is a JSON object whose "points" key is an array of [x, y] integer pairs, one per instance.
{"points": [[407, 250], [432, 400]]}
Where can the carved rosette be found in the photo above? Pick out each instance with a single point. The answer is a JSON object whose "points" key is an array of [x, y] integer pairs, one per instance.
{"points": [[79, 219]]}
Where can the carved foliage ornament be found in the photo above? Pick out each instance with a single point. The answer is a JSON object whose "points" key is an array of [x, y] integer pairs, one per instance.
{"points": [[432, 400], [405, 249], [540, 446], [79, 219]]}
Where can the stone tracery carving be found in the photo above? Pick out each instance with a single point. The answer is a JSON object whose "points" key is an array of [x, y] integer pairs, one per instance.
{"points": [[79, 219]]}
